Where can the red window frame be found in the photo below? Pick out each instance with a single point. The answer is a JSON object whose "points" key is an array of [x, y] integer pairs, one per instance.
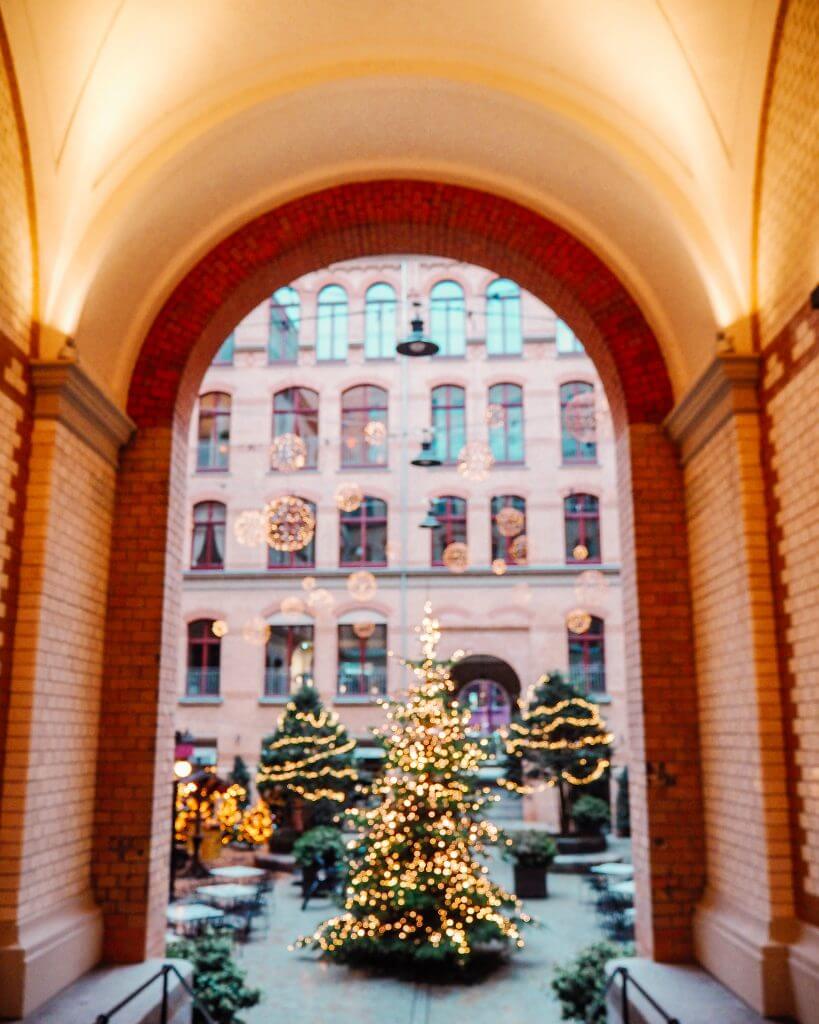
{"points": [[362, 686], [450, 511], [297, 415], [363, 519], [215, 516], [294, 635], [214, 424], [589, 675], [445, 442], [360, 405], [584, 517], [572, 450], [509, 397], [501, 544], [201, 641], [304, 558]]}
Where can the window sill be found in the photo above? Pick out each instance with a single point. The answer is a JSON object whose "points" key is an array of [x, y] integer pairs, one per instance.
{"points": [[575, 463], [207, 471], [363, 565], [343, 698], [365, 467], [599, 698], [583, 561], [275, 700], [207, 568], [201, 700]]}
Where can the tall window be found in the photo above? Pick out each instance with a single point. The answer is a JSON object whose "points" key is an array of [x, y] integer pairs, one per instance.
{"points": [[577, 422], [451, 514], [363, 534], [213, 441], [361, 444], [506, 439], [285, 316], [204, 651], [224, 354], [567, 341], [304, 558], [581, 514], [288, 659], [448, 422], [447, 318], [331, 325], [503, 328], [296, 411], [587, 665], [208, 547], [380, 321], [500, 543], [362, 661]]}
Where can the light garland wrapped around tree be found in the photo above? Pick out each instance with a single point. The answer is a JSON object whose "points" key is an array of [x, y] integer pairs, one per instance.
{"points": [[559, 739], [417, 891]]}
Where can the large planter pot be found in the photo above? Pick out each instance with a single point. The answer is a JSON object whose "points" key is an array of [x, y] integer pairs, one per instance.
{"points": [[530, 883], [580, 844]]}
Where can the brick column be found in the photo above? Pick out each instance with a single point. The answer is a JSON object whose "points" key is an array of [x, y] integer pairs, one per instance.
{"points": [[50, 929], [745, 918]]}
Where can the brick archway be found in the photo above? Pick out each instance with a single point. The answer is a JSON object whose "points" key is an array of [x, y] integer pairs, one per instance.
{"points": [[141, 631]]}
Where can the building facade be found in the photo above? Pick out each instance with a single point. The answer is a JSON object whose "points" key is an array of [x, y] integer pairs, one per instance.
{"points": [[318, 361]]}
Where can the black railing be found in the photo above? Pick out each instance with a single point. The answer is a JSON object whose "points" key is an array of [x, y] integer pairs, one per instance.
{"points": [[625, 1012], [163, 972]]}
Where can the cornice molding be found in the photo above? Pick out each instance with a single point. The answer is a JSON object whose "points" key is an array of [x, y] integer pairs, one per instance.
{"points": [[728, 387], [63, 391]]}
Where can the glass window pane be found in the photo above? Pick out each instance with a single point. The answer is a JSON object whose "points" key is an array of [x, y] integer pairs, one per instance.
{"points": [[447, 315], [331, 326], [380, 322]]}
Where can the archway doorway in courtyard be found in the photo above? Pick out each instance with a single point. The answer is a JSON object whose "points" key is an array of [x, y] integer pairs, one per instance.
{"points": [[490, 688]]}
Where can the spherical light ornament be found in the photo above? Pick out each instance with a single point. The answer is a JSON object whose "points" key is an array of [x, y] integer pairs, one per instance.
{"points": [[219, 628], [349, 497], [375, 432], [475, 460], [256, 631], [499, 567], [519, 549], [320, 599], [580, 552], [290, 524], [362, 585], [590, 587], [308, 583], [456, 557], [495, 416], [363, 630], [580, 417], [292, 606], [249, 528], [288, 453], [578, 621], [510, 521]]}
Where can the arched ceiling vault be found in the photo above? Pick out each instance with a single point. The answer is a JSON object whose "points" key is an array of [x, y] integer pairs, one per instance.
{"points": [[158, 128]]}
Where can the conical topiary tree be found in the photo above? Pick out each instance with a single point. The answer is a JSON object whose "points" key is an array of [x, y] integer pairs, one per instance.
{"points": [[559, 739]]}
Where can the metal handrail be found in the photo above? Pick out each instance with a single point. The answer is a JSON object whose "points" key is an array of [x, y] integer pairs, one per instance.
{"points": [[163, 972], [625, 1013]]}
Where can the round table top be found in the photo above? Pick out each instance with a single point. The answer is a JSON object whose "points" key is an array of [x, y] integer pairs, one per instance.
{"points": [[177, 913], [237, 871], [229, 891], [614, 870], [623, 888]]}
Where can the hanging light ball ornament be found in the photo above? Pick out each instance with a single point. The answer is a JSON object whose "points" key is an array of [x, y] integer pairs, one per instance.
{"points": [[362, 585], [578, 621], [499, 567], [288, 453], [256, 631], [375, 432], [308, 583], [456, 557], [290, 523], [292, 606], [510, 521], [581, 419], [475, 460], [590, 587], [219, 628], [519, 549], [363, 630], [495, 416], [320, 599], [349, 497], [580, 552], [249, 528]]}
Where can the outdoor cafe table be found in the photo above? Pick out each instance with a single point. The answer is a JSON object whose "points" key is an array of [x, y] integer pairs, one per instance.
{"points": [[226, 895], [623, 889], [189, 917], [622, 871], [238, 871]]}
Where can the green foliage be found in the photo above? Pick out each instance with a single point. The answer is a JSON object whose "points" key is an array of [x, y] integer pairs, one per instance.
{"points": [[531, 849], [590, 814], [622, 808], [241, 776], [580, 985], [317, 841], [217, 982]]}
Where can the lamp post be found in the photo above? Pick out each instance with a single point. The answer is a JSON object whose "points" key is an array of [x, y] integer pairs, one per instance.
{"points": [[181, 770]]}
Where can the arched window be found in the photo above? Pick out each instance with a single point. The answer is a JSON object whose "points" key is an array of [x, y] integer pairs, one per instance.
{"points": [[288, 659], [451, 514], [363, 534], [578, 429], [296, 411], [587, 662], [503, 327], [304, 558], [448, 422], [204, 650], [213, 438], [506, 439], [500, 543], [362, 445], [581, 514], [447, 318], [285, 316], [567, 341], [362, 660], [380, 321], [331, 324], [224, 354], [208, 543]]}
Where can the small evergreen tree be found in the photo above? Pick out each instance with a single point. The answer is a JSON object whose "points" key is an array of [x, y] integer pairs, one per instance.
{"points": [[309, 758], [559, 740], [240, 776], [217, 981]]}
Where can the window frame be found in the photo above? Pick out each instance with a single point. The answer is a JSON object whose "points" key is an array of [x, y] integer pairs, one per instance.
{"points": [[291, 643], [209, 526], [362, 518], [442, 311], [574, 452], [593, 681], [230, 344], [453, 528], [290, 560], [295, 416], [448, 457], [380, 635], [503, 432], [375, 336], [203, 670], [339, 324], [220, 414], [362, 414], [500, 545], [582, 518], [288, 330], [509, 307]]}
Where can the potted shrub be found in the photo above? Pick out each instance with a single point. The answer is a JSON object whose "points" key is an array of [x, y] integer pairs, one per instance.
{"points": [[590, 815], [531, 852], [319, 849]]}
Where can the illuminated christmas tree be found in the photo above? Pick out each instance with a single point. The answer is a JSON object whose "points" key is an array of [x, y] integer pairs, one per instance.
{"points": [[417, 893], [558, 740], [308, 759]]}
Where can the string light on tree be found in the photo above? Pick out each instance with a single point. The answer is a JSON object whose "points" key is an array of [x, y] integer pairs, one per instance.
{"points": [[475, 460], [250, 528], [290, 523], [288, 453], [349, 497], [456, 557], [362, 585], [510, 521]]}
